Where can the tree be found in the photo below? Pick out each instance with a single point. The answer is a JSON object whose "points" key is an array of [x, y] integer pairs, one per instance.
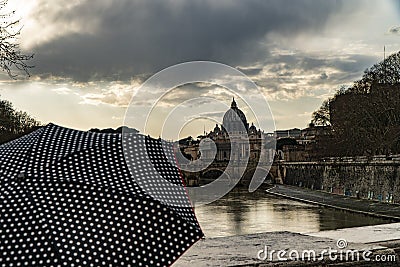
{"points": [[365, 117], [14, 123], [321, 117], [11, 57], [286, 141], [384, 72]]}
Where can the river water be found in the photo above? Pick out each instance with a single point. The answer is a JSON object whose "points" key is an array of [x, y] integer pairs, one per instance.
{"points": [[241, 212]]}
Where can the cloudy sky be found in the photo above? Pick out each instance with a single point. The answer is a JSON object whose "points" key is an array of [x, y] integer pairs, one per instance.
{"points": [[91, 56]]}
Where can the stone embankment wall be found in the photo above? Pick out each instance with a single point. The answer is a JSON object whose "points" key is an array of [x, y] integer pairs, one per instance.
{"points": [[375, 178]]}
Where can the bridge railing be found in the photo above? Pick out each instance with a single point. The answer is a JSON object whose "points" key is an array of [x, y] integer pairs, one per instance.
{"points": [[377, 158]]}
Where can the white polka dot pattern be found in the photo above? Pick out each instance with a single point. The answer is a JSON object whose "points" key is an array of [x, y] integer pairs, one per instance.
{"points": [[67, 198]]}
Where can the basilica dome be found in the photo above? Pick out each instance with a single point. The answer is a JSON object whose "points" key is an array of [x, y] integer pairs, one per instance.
{"points": [[234, 120]]}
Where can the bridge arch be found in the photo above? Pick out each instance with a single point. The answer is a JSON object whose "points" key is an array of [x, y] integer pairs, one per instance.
{"points": [[211, 174], [248, 175]]}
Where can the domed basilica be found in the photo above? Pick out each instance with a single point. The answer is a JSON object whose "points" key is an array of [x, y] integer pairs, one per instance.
{"points": [[234, 139], [234, 120]]}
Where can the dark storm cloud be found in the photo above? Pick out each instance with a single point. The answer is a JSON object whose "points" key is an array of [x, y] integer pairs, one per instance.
{"points": [[250, 71], [301, 73], [324, 76], [285, 66], [133, 37], [395, 30]]}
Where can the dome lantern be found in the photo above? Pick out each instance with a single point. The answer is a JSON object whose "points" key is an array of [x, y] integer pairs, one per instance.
{"points": [[233, 105], [234, 120]]}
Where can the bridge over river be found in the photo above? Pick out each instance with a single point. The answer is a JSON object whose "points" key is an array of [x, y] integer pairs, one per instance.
{"points": [[375, 178], [274, 172]]}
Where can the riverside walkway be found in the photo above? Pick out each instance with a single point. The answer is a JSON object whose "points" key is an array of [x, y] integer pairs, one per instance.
{"points": [[244, 251], [364, 206]]}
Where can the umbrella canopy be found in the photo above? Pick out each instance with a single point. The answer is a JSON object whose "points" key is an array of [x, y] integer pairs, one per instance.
{"points": [[68, 198]]}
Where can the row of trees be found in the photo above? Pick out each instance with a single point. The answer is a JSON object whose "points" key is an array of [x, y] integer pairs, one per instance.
{"points": [[365, 118], [14, 123]]}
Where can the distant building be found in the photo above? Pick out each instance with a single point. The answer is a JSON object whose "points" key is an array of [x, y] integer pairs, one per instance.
{"points": [[293, 133], [309, 145], [235, 140], [235, 121]]}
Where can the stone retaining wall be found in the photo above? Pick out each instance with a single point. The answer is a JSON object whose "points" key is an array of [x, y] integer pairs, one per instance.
{"points": [[379, 180]]}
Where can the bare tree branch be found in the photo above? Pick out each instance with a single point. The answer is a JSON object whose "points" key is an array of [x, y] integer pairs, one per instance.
{"points": [[11, 57], [365, 117]]}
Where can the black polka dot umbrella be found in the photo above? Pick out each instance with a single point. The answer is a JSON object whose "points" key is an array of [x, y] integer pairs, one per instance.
{"points": [[72, 198]]}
